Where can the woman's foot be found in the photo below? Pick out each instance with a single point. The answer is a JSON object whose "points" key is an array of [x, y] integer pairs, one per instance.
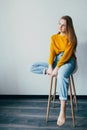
{"points": [[61, 118]]}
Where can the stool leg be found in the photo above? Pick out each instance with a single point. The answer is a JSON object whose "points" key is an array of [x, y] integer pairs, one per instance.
{"points": [[48, 106], [54, 91], [73, 85], [71, 101]]}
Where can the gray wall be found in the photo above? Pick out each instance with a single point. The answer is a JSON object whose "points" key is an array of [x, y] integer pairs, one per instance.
{"points": [[25, 30]]}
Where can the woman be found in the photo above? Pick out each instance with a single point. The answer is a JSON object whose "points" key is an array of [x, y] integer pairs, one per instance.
{"points": [[62, 60]]}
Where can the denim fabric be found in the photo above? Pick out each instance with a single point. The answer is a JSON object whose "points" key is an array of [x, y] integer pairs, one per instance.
{"points": [[63, 73], [63, 78], [39, 67]]}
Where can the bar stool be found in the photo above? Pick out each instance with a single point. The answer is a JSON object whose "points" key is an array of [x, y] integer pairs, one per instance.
{"points": [[72, 96]]}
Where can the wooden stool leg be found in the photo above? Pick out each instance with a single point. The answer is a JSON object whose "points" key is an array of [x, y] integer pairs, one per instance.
{"points": [[73, 86], [54, 91], [71, 101], [48, 107]]}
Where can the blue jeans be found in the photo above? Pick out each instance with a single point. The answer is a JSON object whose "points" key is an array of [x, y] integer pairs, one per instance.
{"points": [[63, 74]]}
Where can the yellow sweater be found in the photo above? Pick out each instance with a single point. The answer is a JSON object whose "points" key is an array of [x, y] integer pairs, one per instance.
{"points": [[59, 44]]}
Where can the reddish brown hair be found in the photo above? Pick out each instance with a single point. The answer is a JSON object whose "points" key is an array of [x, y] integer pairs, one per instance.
{"points": [[70, 30]]}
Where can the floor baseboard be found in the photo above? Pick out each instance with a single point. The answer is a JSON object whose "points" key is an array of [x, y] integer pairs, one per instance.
{"points": [[35, 96]]}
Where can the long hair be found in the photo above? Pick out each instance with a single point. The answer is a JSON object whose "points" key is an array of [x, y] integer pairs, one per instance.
{"points": [[70, 30]]}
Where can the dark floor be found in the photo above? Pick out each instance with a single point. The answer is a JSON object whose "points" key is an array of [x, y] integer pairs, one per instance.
{"points": [[29, 114]]}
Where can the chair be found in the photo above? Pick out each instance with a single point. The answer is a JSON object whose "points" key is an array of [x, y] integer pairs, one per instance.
{"points": [[71, 90]]}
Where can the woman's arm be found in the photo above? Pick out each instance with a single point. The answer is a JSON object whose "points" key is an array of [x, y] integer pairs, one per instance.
{"points": [[69, 51]]}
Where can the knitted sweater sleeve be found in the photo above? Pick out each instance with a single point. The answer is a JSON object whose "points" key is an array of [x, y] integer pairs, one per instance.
{"points": [[52, 52], [69, 51]]}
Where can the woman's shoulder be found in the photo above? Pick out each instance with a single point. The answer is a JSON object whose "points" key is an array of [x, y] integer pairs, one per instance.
{"points": [[54, 36]]}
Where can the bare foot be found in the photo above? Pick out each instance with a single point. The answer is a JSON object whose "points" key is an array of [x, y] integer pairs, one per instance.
{"points": [[61, 118]]}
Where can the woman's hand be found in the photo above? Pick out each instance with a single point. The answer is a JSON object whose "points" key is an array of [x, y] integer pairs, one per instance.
{"points": [[55, 71], [49, 70]]}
